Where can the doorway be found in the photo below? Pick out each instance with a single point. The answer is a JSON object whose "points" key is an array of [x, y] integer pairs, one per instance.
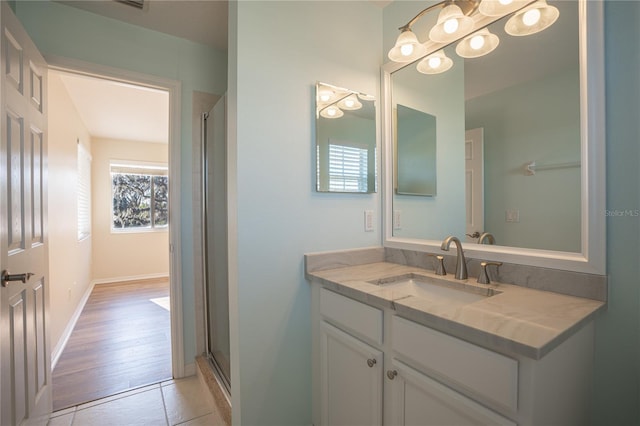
{"points": [[124, 258]]}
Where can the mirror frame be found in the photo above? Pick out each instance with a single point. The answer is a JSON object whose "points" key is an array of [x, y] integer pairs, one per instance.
{"points": [[592, 258]]}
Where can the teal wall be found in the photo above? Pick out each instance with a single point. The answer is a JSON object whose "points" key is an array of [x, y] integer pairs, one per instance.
{"points": [[617, 362], [533, 121], [69, 32], [282, 49]]}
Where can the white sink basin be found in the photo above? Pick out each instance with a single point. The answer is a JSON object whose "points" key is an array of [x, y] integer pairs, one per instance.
{"points": [[435, 289]]}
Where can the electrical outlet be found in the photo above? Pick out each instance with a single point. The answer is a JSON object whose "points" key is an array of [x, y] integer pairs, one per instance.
{"points": [[512, 215], [368, 220], [397, 219]]}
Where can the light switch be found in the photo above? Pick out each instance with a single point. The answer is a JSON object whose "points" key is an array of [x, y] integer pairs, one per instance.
{"points": [[368, 220]]}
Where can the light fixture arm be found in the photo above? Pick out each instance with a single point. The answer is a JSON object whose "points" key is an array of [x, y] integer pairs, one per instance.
{"points": [[467, 7]]}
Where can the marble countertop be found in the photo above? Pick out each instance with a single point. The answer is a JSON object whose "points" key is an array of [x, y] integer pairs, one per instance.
{"points": [[515, 320]]}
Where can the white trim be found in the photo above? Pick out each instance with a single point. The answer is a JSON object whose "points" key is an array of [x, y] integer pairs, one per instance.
{"points": [[66, 334], [122, 279], [592, 258], [190, 369], [174, 88]]}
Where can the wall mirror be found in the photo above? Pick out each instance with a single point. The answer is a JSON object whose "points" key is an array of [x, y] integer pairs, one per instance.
{"points": [[346, 156], [520, 143]]}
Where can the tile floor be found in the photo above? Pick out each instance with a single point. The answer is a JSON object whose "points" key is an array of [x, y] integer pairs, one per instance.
{"points": [[174, 402]]}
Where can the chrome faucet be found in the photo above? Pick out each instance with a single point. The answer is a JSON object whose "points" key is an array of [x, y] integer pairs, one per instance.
{"points": [[461, 263], [487, 236]]}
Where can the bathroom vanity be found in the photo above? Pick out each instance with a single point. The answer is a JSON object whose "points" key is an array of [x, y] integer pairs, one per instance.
{"points": [[395, 344]]}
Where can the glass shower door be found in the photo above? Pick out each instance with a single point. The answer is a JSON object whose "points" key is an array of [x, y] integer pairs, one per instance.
{"points": [[215, 244]]}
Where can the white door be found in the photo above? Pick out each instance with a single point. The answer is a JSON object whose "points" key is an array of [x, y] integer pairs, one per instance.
{"points": [[420, 400], [350, 379], [25, 375], [474, 183]]}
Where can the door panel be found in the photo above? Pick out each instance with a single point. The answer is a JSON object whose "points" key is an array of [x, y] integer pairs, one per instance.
{"points": [[25, 355], [474, 182], [37, 205]]}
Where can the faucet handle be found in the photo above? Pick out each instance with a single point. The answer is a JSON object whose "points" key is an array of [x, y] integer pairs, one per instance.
{"points": [[439, 269], [483, 278]]}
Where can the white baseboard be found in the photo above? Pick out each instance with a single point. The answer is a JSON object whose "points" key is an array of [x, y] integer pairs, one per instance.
{"points": [[128, 278], [57, 350]]}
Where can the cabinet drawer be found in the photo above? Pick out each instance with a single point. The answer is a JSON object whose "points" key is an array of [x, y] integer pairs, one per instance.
{"points": [[477, 370], [352, 315]]}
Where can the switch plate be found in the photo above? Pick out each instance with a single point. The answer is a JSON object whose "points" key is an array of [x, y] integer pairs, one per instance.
{"points": [[512, 215], [368, 220], [397, 219]]}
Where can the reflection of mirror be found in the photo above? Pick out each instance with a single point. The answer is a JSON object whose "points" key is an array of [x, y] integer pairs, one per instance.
{"points": [[415, 150], [532, 216], [345, 140]]}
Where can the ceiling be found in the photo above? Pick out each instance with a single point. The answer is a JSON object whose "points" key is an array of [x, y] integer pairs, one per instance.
{"points": [[114, 110], [202, 21]]}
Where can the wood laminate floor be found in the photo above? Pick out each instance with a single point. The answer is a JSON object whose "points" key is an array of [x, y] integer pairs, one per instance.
{"points": [[121, 341]]}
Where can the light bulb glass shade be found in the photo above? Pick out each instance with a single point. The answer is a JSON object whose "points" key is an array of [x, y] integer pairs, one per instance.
{"points": [[532, 19], [332, 112], [477, 44], [452, 24], [350, 103], [407, 48], [325, 94], [435, 63], [366, 97], [500, 7]]}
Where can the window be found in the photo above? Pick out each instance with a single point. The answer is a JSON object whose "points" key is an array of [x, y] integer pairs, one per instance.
{"points": [[348, 168], [84, 193], [140, 195]]}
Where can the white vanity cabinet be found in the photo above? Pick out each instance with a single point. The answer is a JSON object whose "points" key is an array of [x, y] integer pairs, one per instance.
{"points": [[351, 379], [418, 399], [371, 367]]}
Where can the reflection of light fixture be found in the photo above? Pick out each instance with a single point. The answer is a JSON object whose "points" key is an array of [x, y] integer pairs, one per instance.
{"points": [[477, 44], [467, 20], [332, 111], [435, 63], [332, 101], [532, 19], [350, 103]]}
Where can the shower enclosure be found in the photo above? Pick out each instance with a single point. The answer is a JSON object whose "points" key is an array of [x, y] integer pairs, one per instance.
{"points": [[215, 249]]}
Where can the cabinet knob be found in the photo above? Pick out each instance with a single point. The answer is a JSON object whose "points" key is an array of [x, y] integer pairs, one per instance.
{"points": [[391, 374], [371, 362]]}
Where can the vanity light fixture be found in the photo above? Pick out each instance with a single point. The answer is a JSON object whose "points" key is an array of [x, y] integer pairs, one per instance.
{"points": [[407, 47], [500, 7], [452, 24], [467, 20]]}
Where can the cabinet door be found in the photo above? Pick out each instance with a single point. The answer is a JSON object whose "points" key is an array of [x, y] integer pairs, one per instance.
{"points": [[351, 379], [420, 400]]}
